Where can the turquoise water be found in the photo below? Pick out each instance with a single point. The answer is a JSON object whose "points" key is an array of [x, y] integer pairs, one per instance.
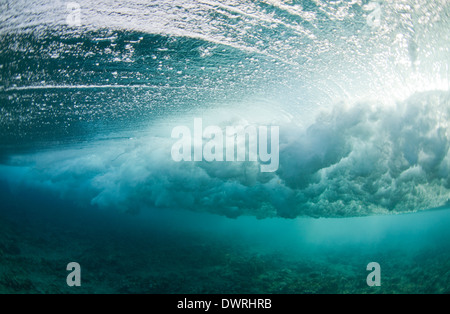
{"points": [[183, 252], [358, 89]]}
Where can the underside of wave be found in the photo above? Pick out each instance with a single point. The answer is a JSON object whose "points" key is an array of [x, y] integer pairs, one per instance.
{"points": [[354, 160]]}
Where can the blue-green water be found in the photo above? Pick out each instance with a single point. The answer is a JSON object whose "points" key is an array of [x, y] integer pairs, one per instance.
{"points": [[359, 90]]}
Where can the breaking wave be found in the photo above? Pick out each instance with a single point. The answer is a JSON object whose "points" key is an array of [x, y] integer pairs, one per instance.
{"points": [[363, 108], [355, 160]]}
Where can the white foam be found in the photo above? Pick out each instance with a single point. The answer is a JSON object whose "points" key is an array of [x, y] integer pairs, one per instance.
{"points": [[356, 160]]}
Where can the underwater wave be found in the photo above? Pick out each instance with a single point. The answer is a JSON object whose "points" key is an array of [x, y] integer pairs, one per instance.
{"points": [[356, 160], [363, 105]]}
